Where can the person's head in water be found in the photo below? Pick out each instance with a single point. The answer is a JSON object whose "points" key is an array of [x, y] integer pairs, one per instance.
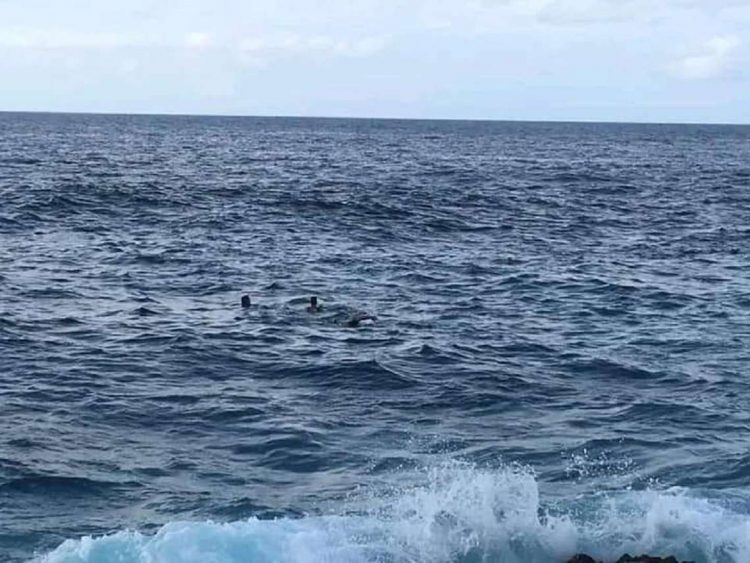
{"points": [[314, 307], [245, 301]]}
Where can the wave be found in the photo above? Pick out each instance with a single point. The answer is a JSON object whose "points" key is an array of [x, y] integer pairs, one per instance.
{"points": [[610, 368], [55, 485], [362, 374], [453, 512]]}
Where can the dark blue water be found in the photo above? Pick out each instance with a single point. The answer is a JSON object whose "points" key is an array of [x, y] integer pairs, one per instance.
{"points": [[559, 364]]}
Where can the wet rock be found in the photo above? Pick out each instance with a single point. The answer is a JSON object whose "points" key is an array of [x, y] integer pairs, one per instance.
{"points": [[648, 559], [583, 558]]}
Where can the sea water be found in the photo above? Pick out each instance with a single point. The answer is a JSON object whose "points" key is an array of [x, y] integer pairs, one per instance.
{"points": [[559, 362]]}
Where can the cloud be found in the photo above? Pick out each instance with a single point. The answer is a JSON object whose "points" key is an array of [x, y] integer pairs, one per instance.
{"points": [[197, 40], [588, 11], [292, 44], [33, 38], [592, 12], [263, 48], [713, 60]]}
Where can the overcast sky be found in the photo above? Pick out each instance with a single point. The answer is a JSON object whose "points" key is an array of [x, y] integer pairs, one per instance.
{"points": [[614, 60]]}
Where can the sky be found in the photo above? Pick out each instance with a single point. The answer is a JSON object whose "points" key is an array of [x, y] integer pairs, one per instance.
{"points": [[589, 60]]}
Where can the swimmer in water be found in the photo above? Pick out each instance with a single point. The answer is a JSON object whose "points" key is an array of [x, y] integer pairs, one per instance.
{"points": [[245, 301], [357, 318], [314, 307]]}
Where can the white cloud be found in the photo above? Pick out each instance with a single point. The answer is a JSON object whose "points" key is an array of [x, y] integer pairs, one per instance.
{"points": [[40, 38], [197, 40], [713, 60], [588, 11], [37, 38], [592, 12], [302, 44]]}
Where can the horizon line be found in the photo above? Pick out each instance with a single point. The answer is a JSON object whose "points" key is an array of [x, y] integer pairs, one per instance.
{"points": [[371, 118]]}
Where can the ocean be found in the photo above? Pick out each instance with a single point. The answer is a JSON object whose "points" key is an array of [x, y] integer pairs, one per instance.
{"points": [[559, 362]]}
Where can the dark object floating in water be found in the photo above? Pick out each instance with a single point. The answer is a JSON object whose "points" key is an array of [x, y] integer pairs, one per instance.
{"points": [[583, 558], [245, 301], [314, 307]]}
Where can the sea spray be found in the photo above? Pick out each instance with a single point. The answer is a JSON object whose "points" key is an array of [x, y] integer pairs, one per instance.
{"points": [[458, 513]]}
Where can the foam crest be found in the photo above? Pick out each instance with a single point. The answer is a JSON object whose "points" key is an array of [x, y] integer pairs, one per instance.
{"points": [[673, 521], [458, 513], [464, 512]]}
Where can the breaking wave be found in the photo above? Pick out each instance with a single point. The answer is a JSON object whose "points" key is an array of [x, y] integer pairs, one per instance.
{"points": [[458, 513]]}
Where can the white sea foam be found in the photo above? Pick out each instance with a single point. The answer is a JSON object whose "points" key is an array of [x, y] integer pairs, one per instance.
{"points": [[458, 513]]}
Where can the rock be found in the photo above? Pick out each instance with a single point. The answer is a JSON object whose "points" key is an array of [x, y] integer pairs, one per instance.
{"points": [[581, 558], [647, 559]]}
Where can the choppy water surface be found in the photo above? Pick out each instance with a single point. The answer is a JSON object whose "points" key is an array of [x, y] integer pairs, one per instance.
{"points": [[560, 361]]}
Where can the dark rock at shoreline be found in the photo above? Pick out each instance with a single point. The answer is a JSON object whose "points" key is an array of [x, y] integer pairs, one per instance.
{"points": [[583, 558], [648, 559]]}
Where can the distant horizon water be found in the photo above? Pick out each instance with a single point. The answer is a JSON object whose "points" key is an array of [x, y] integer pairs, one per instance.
{"points": [[381, 118]]}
